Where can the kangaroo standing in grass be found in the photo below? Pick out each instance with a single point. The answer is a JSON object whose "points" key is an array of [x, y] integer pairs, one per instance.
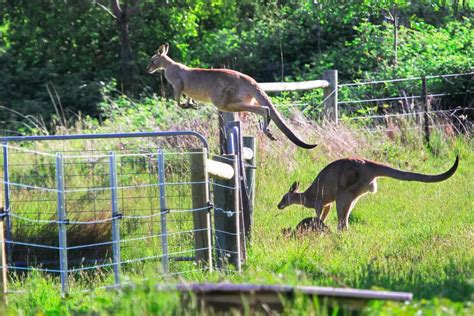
{"points": [[345, 181], [228, 90]]}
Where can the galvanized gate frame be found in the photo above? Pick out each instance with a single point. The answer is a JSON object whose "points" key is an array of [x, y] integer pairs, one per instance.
{"points": [[62, 220]]}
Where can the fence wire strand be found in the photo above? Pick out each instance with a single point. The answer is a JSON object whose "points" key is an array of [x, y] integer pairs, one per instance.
{"points": [[403, 79], [86, 194]]}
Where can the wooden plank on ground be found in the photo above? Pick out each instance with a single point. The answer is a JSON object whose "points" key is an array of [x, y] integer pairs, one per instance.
{"points": [[224, 296]]}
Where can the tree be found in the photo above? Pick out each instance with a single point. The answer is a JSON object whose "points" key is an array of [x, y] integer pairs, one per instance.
{"points": [[122, 16]]}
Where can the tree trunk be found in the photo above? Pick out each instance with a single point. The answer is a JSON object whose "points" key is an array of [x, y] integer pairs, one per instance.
{"points": [[126, 61], [395, 36], [126, 58]]}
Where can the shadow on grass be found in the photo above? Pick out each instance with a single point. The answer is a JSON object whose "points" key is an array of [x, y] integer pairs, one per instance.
{"points": [[453, 284]]}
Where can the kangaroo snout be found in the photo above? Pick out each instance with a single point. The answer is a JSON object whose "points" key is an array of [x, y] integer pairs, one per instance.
{"points": [[150, 69], [282, 204]]}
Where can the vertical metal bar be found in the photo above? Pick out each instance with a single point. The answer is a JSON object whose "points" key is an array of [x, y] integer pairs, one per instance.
{"points": [[426, 110], [3, 262], [163, 209], [6, 187], [224, 118], [232, 142], [243, 198], [250, 168], [63, 266], [3, 222], [238, 211], [115, 218]]}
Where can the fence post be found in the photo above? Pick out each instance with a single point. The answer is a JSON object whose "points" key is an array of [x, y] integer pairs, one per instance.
{"points": [[62, 221], [201, 206], [426, 109], [227, 216], [115, 218], [330, 96], [163, 210], [224, 117], [234, 146], [250, 168], [6, 205], [3, 257]]}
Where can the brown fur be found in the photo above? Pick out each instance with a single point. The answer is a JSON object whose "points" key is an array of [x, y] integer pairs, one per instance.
{"points": [[228, 90], [345, 181]]}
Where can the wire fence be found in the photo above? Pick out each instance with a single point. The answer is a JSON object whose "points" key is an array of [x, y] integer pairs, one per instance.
{"points": [[402, 95], [103, 210], [110, 209], [436, 101]]}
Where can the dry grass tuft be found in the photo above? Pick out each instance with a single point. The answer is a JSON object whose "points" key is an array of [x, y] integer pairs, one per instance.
{"points": [[339, 141], [77, 234]]}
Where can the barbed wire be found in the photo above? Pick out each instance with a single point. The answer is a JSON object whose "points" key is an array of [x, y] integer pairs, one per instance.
{"points": [[403, 79], [401, 98], [452, 111], [385, 129]]}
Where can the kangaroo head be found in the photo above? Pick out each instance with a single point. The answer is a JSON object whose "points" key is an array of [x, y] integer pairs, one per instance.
{"points": [[290, 197], [159, 60]]}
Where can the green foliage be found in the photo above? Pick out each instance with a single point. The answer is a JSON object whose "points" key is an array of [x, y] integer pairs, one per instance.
{"points": [[73, 46]]}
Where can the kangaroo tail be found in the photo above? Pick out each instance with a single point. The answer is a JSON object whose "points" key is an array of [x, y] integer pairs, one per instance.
{"points": [[263, 99], [385, 171]]}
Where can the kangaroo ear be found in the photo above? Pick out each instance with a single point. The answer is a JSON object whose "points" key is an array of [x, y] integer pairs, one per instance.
{"points": [[163, 49], [294, 186]]}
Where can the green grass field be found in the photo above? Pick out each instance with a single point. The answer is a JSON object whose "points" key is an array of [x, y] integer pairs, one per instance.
{"points": [[409, 236]]}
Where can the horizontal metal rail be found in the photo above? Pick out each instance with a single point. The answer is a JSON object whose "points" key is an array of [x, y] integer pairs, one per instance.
{"points": [[293, 86], [106, 135]]}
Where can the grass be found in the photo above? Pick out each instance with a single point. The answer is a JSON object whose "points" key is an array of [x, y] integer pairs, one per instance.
{"points": [[409, 236]]}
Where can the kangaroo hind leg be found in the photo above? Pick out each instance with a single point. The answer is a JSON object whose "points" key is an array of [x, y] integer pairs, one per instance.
{"points": [[326, 210], [257, 109], [190, 104], [266, 122], [318, 207], [344, 205], [321, 214]]}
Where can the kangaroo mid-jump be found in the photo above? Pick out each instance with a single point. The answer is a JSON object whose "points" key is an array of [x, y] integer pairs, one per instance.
{"points": [[228, 90], [345, 181]]}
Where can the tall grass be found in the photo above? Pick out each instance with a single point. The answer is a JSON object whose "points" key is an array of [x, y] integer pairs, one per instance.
{"points": [[409, 236]]}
